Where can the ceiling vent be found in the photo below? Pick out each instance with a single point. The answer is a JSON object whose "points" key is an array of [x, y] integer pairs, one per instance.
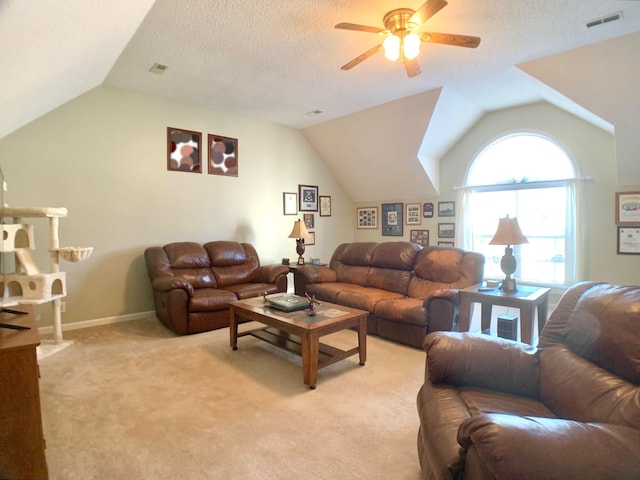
{"points": [[612, 17], [158, 68]]}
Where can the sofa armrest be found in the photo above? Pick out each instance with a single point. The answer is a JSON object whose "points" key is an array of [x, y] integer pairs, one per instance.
{"points": [[269, 273], [318, 274], [166, 284], [476, 360], [443, 310], [509, 447]]}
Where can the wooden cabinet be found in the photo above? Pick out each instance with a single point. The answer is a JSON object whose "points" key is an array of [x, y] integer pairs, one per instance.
{"points": [[21, 438]]}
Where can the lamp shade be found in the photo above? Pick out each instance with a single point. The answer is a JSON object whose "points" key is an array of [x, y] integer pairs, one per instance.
{"points": [[299, 230], [508, 233]]}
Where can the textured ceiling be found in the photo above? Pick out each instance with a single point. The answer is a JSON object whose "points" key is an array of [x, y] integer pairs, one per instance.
{"points": [[277, 60]]}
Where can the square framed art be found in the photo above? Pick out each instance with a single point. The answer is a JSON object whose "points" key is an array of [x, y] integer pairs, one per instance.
{"points": [[223, 155], [627, 208], [367, 217], [446, 209], [392, 224], [184, 150]]}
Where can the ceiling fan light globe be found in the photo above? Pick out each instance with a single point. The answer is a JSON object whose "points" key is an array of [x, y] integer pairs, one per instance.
{"points": [[391, 46], [411, 44]]}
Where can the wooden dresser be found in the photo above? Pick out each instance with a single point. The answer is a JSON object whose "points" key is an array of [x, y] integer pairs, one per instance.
{"points": [[21, 438]]}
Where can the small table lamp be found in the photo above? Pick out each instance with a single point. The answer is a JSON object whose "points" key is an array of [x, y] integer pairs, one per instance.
{"points": [[299, 232], [508, 233]]}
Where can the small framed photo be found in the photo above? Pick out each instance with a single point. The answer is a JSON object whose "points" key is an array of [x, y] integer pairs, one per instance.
{"points": [[412, 215], [290, 203], [446, 209], [392, 224], [309, 220], [325, 206], [311, 239], [629, 240], [183, 150], [446, 244], [627, 208], [447, 230], [427, 210], [223, 155], [308, 198], [421, 237], [367, 217]]}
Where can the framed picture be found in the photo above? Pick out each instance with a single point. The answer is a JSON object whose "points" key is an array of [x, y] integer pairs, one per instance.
{"points": [[446, 209], [290, 203], [412, 215], [183, 150], [392, 219], [629, 240], [308, 198], [447, 230], [446, 244], [367, 217], [421, 237], [311, 239], [325, 206], [628, 208], [427, 210], [309, 220], [223, 155]]}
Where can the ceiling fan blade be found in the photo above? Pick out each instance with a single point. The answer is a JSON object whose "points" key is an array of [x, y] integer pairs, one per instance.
{"points": [[361, 58], [412, 67], [359, 28], [427, 10], [451, 39]]}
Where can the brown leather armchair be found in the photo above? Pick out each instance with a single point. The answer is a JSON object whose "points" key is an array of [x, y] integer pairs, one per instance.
{"points": [[568, 409], [193, 284]]}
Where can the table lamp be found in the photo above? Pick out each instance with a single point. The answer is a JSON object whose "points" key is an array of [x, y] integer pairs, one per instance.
{"points": [[299, 232], [508, 233]]}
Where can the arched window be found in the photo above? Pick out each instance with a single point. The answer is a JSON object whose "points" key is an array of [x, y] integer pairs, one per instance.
{"points": [[531, 177]]}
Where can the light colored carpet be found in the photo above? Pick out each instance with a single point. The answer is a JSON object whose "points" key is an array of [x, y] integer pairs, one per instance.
{"points": [[133, 401]]}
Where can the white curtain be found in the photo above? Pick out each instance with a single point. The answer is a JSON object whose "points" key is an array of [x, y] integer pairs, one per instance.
{"points": [[575, 244]]}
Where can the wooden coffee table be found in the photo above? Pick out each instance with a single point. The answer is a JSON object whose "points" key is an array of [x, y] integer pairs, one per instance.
{"points": [[299, 332]]}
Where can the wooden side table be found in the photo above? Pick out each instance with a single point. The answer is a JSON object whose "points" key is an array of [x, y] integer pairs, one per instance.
{"points": [[526, 299]]}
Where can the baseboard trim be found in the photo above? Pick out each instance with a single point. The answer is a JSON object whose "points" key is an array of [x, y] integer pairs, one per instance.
{"points": [[100, 321]]}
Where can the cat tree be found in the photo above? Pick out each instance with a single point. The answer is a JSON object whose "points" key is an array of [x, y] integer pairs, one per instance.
{"points": [[27, 284]]}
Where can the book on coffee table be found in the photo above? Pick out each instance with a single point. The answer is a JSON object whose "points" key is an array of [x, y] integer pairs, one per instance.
{"points": [[288, 303]]}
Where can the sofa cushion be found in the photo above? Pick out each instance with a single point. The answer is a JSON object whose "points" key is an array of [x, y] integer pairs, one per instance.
{"points": [[190, 261], [232, 262], [364, 298], [351, 261], [329, 291], [208, 299], [405, 309]]}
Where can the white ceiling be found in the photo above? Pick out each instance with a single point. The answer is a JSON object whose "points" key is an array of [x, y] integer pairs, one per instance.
{"points": [[276, 60]]}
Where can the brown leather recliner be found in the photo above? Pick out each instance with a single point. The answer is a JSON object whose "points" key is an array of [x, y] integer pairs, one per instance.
{"points": [[193, 284], [568, 409]]}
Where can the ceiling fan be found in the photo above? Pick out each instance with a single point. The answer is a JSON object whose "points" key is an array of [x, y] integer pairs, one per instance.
{"points": [[402, 37]]}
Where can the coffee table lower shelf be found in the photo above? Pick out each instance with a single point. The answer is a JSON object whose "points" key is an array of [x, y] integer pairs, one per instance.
{"points": [[327, 355]]}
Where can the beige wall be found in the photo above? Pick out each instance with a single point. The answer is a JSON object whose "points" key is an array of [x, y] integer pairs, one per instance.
{"points": [[593, 152], [103, 157]]}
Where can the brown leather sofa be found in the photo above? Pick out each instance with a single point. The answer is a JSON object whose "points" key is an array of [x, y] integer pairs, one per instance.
{"points": [[568, 409], [193, 284], [408, 290]]}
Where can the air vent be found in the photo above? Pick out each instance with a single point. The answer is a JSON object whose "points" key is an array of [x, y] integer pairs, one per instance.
{"points": [[158, 68], [612, 17]]}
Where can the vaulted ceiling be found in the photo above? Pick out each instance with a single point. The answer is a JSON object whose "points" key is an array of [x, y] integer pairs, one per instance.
{"points": [[279, 60]]}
